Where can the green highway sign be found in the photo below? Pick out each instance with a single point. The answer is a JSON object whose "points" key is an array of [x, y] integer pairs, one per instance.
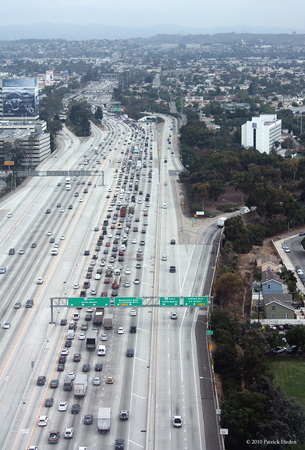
{"points": [[195, 301], [210, 332], [169, 301], [128, 301], [85, 302]]}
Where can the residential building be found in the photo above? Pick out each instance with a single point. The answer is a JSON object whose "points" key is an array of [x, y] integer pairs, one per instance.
{"points": [[271, 283], [278, 307]]}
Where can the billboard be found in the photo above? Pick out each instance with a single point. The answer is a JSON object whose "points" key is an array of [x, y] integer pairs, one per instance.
{"points": [[20, 97]]}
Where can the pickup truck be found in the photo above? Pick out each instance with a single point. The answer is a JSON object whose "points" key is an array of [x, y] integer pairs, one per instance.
{"points": [[53, 437]]}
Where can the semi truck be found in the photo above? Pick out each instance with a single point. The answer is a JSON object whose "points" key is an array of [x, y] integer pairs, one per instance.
{"points": [[123, 211], [108, 321], [103, 419], [98, 316], [221, 222], [80, 385], [131, 209], [91, 340]]}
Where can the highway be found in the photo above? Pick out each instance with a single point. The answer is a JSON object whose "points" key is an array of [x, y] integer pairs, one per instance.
{"points": [[162, 379]]}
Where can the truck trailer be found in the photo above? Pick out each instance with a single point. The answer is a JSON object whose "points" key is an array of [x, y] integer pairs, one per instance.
{"points": [[98, 316], [221, 222], [80, 385], [103, 419], [108, 321], [91, 340]]}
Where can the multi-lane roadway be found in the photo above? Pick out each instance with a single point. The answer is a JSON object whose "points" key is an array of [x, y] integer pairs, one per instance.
{"points": [[162, 379]]}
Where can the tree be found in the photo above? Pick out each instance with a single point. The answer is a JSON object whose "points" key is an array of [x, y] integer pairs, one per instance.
{"points": [[296, 336], [237, 233], [254, 364], [98, 113], [227, 286]]}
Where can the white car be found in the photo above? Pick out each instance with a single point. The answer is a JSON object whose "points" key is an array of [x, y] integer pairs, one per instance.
{"points": [[71, 375], [300, 272], [121, 330], [127, 284], [62, 210], [134, 241], [9, 215], [137, 281], [102, 263], [97, 276], [93, 292], [76, 286], [39, 280], [62, 237], [80, 199], [96, 381], [69, 432], [89, 310], [49, 233], [82, 337], [43, 421], [133, 312], [109, 235], [128, 271], [164, 205], [64, 351], [7, 325], [63, 406], [104, 337]]}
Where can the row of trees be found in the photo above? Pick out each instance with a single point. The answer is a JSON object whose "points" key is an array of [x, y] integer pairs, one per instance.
{"points": [[254, 409]]}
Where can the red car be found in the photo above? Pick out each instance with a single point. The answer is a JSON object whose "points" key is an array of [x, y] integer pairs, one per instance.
{"points": [[112, 227], [106, 281], [107, 244], [145, 214], [104, 294]]}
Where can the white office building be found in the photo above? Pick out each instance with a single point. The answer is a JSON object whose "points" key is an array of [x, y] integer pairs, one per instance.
{"points": [[262, 132]]}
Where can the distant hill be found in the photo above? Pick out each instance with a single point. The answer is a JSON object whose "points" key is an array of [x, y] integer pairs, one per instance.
{"points": [[97, 31]]}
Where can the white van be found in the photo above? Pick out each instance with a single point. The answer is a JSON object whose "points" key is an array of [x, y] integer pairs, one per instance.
{"points": [[101, 350], [70, 334]]}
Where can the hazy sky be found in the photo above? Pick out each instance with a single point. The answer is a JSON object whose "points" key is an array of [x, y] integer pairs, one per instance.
{"points": [[142, 13]]}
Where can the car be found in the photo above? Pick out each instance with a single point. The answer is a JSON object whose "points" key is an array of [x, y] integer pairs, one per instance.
{"points": [[138, 266], [52, 240], [62, 237], [86, 367], [97, 276], [40, 280], [71, 375], [49, 233], [54, 384], [174, 316], [43, 421], [69, 433], [104, 294], [119, 444], [164, 205], [164, 258], [137, 281], [86, 253], [134, 241], [70, 207], [41, 380], [143, 231], [48, 402], [34, 245], [287, 250], [173, 242], [300, 272], [7, 325], [88, 419], [60, 367], [130, 352], [109, 380], [106, 281], [82, 337], [177, 421], [88, 317], [124, 414], [302, 233], [2, 269], [76, 286], [58, 205], [84, 327], [96, 381], [10, 215], [64, 351], [48, 211], [17, 305], [21, 252], [68, 343], [121, 330], [104, 337], [75, 408], [172, 269], [29, 303], [98, 367], [77, 357], [53, 437], [80, 199], [142, 243], [133, 312]]}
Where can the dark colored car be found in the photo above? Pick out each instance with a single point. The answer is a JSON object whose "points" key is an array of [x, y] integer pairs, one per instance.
{"points": [[84, 327], [119, 444], [88, 317], [29, 303], [63, 322], [77, 357], [60, 367], [62, 359], [98, 367], [54, 384], [130, 352], [68, 343], [86, 367], [41, 380], [133, 329], [88, 419], [86, 253], [75, 408], [48, 402]]}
